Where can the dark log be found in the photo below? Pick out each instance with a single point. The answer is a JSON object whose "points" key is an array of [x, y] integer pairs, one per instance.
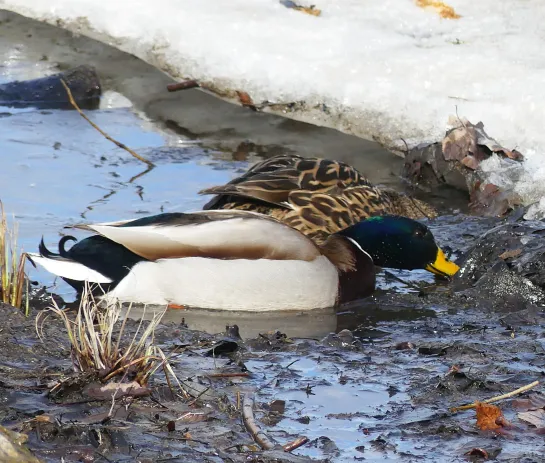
{"points": [[48, 92]]}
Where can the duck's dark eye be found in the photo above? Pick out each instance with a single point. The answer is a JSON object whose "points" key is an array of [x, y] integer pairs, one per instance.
{"points": [[419, 233]]}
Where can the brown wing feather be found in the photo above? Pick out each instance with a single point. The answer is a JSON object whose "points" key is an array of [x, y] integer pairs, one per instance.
{"points": [[273, 180], [315, 196]]}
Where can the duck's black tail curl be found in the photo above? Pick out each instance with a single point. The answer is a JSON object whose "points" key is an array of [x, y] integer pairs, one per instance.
{"points": [[42, 249], [44, 252], [62, 242]]}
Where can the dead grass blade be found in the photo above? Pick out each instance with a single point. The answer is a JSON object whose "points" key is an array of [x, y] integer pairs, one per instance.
{"points": [[12, 265], [98, 343]]}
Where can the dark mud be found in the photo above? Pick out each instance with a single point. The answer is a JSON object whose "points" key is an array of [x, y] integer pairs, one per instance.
{"points": [[372, 382]]}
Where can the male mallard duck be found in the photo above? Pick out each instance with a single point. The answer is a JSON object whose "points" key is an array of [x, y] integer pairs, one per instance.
{"points": [[316, 196], [239, 260]]}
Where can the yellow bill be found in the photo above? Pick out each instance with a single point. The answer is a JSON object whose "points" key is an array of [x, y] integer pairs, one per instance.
{"points": [[442, 266]]}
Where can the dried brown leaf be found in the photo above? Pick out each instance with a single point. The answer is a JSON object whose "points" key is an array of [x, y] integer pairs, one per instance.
{"points": [[445, 11], [477, 452], [106, 391], [514, 154], [510, 254], [309, 10], [312, 10], [533, 417], [470, 162], [533, 402], [245, 99], [191, 417], [459, 142], [278, 406], [487, 416], [467, 139]]}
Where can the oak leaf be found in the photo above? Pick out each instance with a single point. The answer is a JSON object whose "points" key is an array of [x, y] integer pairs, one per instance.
{"points": [[488, 416]]}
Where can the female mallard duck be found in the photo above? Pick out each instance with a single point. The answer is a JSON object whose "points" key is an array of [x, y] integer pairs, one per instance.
{"points": [[239, 260], [316, 196]]}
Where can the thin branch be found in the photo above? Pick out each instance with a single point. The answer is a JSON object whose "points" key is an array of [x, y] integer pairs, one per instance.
{"points": [[104, 134], [299, 442], [248, 417], [520, 390], [183, 85]]}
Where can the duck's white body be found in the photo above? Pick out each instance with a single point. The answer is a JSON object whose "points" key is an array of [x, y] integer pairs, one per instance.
{"points": [[240, 284], [230, 260]]}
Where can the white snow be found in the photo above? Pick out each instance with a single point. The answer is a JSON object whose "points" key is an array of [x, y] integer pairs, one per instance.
{"points": [[385, 69]]}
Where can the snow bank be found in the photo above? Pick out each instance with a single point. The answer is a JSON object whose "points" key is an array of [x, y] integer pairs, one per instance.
{"points": [[383, 69]]}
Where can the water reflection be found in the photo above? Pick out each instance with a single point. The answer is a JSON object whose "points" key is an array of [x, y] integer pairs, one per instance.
{"points": [[317, 323], [298, 324]]}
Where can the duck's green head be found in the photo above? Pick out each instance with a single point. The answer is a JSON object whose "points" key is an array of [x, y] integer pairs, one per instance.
{"points": [[399, 242]]}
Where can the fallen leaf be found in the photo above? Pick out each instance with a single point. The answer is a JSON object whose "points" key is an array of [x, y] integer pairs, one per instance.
{"points": [[478, 452], [534, 417], [533, 402], [246, 100], [43, 419], [405, 345], [191, 417], [510, 254], [309, 10], [459, 142], [278, 406], [119, 413], [470, 162], [487, 415], [106, 391], [312, 10], [514, 154], [442, 9]]}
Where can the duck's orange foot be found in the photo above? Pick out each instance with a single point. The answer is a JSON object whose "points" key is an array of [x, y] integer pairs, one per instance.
{"points": [[176, 306]]}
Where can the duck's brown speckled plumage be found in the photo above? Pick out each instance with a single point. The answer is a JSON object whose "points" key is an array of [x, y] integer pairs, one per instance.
{"points": [[315, 196]]}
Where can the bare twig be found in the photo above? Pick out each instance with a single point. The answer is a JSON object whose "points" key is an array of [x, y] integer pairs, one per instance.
{"points": [[248, 417], [520, 390], [104, 134], [141, 174], [199, 396], [406, 147], [299, 442], [182, 85]]}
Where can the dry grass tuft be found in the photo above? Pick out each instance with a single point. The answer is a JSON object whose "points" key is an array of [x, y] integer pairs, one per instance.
{"points": [[12, 265], [97, 341]]}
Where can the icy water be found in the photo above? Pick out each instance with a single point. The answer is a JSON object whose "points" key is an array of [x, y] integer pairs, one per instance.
{"points": [[379, 392]]}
